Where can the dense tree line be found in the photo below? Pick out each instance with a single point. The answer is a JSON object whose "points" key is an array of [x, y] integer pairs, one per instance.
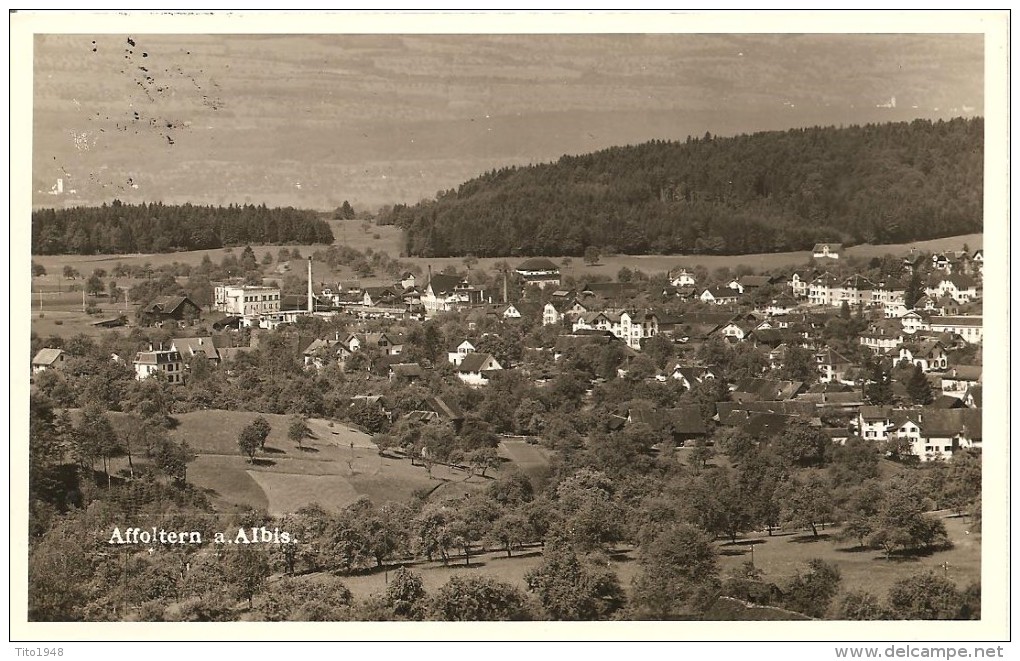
{"points": [[766, 192], [155, 228]]}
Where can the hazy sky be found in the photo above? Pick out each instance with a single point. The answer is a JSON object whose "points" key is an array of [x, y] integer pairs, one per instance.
{"points": [[313, 120]]}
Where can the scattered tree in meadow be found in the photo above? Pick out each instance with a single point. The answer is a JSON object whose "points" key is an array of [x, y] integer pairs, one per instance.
{"points": [[571, 588], [298, 429], [808, 503], [812, 592], [679, 575], [478, 599], [248, 569], [405, 595], [925, 596]]}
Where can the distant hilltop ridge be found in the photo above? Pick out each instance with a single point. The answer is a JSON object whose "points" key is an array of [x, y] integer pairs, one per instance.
{"points": [[766, 192]]}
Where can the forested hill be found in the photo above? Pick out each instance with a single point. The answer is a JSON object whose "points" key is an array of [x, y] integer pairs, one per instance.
{"points": [[766, 192], [151, 228]]}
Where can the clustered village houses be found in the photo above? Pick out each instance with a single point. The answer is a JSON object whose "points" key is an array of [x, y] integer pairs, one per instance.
{"points": [[773, 312]]}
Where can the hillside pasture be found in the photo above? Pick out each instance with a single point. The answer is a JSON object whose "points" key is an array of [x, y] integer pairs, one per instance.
{"points": [[333, 468]]}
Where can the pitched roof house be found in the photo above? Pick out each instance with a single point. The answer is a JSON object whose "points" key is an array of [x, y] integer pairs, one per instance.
{"points": [[48, 359], [827, 250], [194, 346], [476, 368], [539, 271]]}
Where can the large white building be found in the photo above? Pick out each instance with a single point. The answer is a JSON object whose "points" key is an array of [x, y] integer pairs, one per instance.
{"points": [[247, 300]]}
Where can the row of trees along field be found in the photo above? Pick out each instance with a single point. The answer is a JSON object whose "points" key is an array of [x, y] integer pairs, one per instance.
{"points": [[153, 228], [767, 192]]}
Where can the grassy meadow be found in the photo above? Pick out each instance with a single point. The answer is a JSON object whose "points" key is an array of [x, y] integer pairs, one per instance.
{"points": [[333, 468], [780, 557]]}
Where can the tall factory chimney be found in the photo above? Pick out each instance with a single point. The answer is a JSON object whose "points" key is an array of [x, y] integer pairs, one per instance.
{"points": [[311, 299]]}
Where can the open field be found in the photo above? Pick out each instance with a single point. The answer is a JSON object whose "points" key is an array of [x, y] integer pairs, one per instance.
{"points": [[351, 233], [336, 467], [781, 555]]}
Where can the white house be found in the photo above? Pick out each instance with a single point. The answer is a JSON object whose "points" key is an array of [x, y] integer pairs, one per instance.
{"points": [[539, 271], [968, 327], [827, 250], [167, 362], [682, 278], [882, 339], [930, 355], [456, 357], [625, 325], [945, 431], [799, 283], [824, 290], [448, 292], [958, 286], [551, 316], [874, 422], [475, 368], [913, 322], [719, 296]]}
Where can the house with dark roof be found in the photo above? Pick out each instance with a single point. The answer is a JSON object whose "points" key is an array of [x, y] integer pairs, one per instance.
{"points": [[748, 283], [437, 410], [111, 322], [842, 402], [476, 368], [874, 423], [409, 372], [930, 355], [443, 293], [719, 296], [197, 346], [382, 297], [683, 423], [753, 389], [737, 413], [956, 380], [948, 402], [539, 271], [946, 431], [456, 355], [609, 289], [958, 286], [170, 308], [321, 352], [832, 366]]}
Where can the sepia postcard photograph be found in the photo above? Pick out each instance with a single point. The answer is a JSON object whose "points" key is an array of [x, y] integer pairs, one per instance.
{"points": [[584, 325]]}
